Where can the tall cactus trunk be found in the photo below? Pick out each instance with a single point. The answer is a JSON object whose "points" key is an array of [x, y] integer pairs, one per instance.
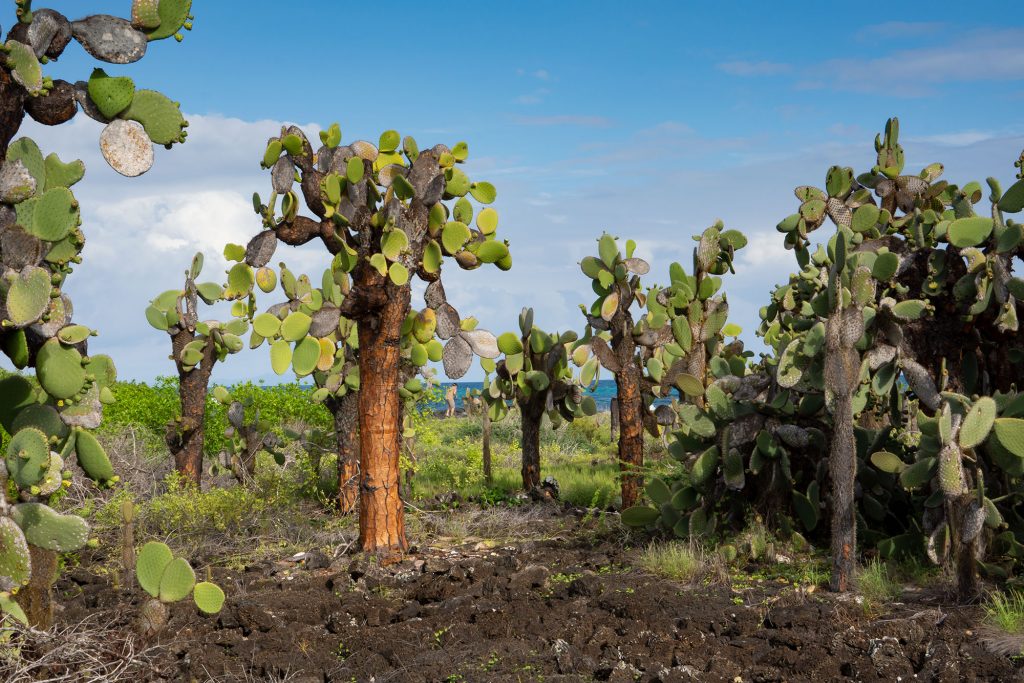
{"points": [[631, 435], [842, 366], [958, 510], [346, 418], [12, 110], [36, 599], [185, 438], [532, 413], [613, 428], [488, 475], [381, 514]]}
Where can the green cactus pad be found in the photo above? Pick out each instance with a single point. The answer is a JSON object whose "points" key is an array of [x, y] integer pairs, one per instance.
{"points": [[240, 282], [483, 192], [54, 215], [173, 17], [111, 95], [28, 457], [28, 297], [295, 326], [888, 462], [48, 529], [43, 417], [280, 356], [208, 596], [1009, 432], [978, 422], [24, 66], [969, 232], [53, 477], [640, 516], [159, 116], [59, 370], [15, 561], [305, 356], [145, 14], [1012, 200], [454, 236], [27, 152], [92, 458], [150, 564], [59, 174], [918, 474], [177, 580]]}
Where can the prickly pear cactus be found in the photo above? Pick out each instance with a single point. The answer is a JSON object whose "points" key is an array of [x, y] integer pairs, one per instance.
{"points": [[536, 374], [168, 579], [41, 241], [677, 333], [196, 346], [386, 212]]}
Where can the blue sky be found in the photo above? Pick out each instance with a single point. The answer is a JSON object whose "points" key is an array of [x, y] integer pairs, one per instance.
{"points": [[648, 120]]}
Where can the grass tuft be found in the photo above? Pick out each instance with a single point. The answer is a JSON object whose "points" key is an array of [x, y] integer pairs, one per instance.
{"points": [[685, 562], [876, 585]]}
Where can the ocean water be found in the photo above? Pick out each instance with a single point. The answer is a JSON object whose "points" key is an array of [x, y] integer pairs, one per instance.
{"points": [[603, 393]]}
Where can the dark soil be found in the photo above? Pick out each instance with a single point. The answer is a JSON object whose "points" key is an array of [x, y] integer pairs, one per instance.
{"points": [[562, 609]]}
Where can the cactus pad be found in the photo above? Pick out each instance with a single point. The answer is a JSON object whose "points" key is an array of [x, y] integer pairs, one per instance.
{"points": [[126, 147], [208, 596], [48, 529], [28, 457], [59, 369], [54, 214], [177, 580], [92, 458], [24, 66], [978, 422], [160, 117], [152, 560], [110, 39], [15, 561], [1009, 432], [28, 297], [16, 183], [111, 95], [174, 15]]}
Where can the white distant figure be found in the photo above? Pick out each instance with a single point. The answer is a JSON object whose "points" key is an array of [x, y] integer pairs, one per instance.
{"points": [[449, 397]]}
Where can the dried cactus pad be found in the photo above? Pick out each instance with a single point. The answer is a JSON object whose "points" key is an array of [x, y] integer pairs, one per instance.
{"points": [[127, 148]]}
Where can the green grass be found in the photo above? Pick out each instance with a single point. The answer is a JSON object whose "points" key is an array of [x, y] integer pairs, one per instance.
{"points": [[449, 457], [1005, 611], [877, 584], [678, 561]]}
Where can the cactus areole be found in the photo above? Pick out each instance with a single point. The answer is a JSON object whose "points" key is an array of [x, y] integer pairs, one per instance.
{"points": [[381, 211]]}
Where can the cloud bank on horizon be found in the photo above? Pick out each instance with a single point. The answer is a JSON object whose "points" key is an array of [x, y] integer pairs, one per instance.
{"points": [[654, 143]]}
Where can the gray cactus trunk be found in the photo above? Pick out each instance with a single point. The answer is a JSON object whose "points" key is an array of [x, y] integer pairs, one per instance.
{"points": [[185, 439], [488, 476], [532, 412], [346, 436]]}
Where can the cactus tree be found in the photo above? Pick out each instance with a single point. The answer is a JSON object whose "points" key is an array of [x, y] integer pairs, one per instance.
{"points": [[40, 241], [380, 209], [537, 375], [196, 346]]}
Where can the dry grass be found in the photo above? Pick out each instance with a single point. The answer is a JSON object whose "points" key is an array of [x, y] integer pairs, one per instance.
{"points": [[502, 524], [91, 651]]}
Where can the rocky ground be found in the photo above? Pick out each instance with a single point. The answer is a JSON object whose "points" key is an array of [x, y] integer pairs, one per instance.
{"points": [[567, 605]]}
